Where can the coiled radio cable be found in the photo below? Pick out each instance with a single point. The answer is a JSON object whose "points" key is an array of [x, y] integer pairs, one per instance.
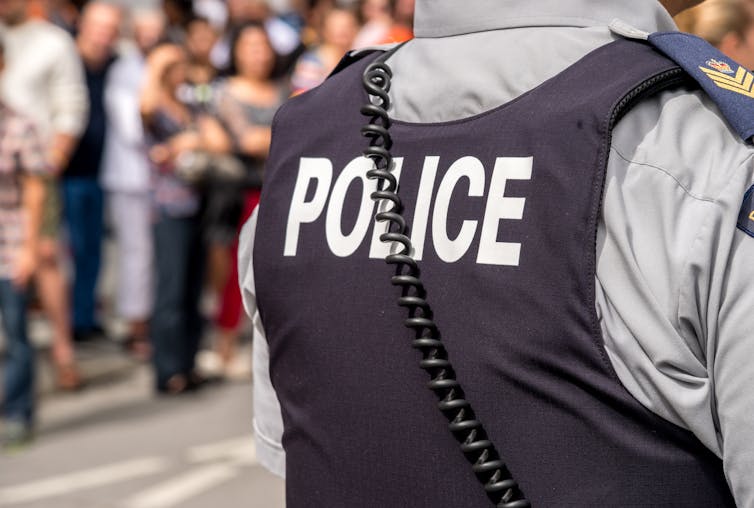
{"points": [[486, 463]]}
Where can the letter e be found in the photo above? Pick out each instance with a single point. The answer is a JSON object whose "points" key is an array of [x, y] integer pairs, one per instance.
{"points": [[499, 207]]}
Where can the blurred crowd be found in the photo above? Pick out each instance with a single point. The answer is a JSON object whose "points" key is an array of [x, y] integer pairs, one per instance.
{"points": [[148, 121]]}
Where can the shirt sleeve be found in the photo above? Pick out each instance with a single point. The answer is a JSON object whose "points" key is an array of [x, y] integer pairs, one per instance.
{"points": [[122, 103], [717, 305], [67, 90], [268, 421], [674, 274]]}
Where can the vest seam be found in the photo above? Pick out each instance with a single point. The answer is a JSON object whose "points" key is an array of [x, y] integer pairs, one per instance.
{"points": [[598, 186]]}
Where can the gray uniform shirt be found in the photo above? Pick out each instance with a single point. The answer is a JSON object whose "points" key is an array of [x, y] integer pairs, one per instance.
{"points": [[674, 292]]}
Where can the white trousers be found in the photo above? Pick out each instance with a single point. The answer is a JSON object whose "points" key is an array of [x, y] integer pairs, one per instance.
{"points": [[131, 218]]}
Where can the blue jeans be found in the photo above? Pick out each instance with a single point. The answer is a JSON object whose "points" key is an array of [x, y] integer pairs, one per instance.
{"points": [[83, 205], [18, 398], [176, 325]]}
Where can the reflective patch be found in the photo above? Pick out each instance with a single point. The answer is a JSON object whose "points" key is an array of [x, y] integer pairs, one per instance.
{"points": [[746, 216]]}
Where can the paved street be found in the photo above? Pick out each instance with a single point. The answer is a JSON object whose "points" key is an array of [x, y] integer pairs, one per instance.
{"points": [[115, 445]]}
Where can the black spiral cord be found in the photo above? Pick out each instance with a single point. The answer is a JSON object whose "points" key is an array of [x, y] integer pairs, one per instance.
{"points": [[489, 469]]}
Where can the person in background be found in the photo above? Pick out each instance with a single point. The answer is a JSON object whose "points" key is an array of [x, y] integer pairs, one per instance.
{"points": [[312, 13], [83, 198], [173, 130], [379, 24], [44, 81], [284, 38], [22, 166], [201, 38], [404, 14], [126, 179], [246, 104], [726, 24], [339, 29]]}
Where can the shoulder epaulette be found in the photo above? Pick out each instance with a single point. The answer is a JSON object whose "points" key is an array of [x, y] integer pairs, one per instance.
{"points": [[729, 84]]}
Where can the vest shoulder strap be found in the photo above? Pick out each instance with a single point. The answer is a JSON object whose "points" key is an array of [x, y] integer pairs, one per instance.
{"points": [[354, 56], [728, 84]]}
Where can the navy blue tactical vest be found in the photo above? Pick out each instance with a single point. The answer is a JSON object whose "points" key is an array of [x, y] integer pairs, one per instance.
{"points": [[503, 208]]}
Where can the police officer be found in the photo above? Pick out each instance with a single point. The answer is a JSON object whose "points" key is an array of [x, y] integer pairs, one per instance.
{"points": [[578, 195]]}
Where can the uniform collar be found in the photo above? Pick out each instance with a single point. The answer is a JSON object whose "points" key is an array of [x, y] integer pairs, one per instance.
{"points": [[445, 18]]}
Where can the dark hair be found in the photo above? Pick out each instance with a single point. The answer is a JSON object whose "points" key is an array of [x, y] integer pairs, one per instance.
{"points": [[183, 8], [236, 36], [311, 4]]}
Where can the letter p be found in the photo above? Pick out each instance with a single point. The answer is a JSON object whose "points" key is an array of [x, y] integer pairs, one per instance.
{"points": [[302, 211]]}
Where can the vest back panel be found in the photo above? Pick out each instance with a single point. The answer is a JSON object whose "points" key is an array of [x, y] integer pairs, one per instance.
{"points": [[503, 210]]}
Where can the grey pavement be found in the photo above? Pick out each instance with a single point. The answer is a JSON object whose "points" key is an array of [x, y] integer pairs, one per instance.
{"points": [[117, 445]]}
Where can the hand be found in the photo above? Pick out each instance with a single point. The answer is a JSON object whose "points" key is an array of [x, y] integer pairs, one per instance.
{"points": [[256, 141], [25, 266], [160, 154], [56, 162], [184, 142]]}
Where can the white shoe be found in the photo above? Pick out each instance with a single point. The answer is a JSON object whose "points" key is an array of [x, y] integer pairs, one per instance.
{"points": [[209, 364]]}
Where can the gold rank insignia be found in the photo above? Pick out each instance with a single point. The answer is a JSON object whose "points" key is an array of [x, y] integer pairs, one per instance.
{"points": [[741, 82]]}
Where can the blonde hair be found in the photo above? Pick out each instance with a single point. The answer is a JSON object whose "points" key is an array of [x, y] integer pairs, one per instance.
{"points": [[714, 19]]}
